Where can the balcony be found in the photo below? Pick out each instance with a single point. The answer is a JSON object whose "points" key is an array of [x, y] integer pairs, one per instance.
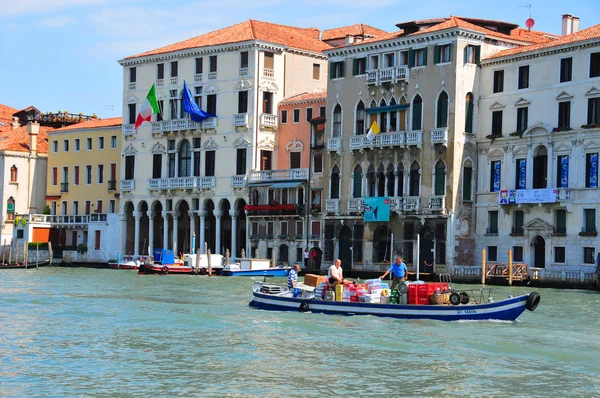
{"points": [[516, 231], [127, 185], [174, 81], [439, 136], [381, 140], [396, 204], [268, 73], [414, 138], [356, 205], [243, 72], [210, 124], [332, 206], [240, 120], [334, 144], [401, 73], [372, 76], [278, 175], [198, 78], [437, 203], [275, 209], [165, 126], [64, 187], [268, 121], [588, 230], [112, 185], [212, 75], [386, 75], [393, 74], [239, 182], [128, 130], [412, 203], [184, 183], [98, 217], [160, 82], [131, 86]]}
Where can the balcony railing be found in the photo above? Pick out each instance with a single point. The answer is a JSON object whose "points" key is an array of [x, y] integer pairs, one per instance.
{"points": [[98, 217], [174, 125], [334, 144], [157, 184], [332, 206], [206, 182], [396, 204], [414, 138], [275, 209], [64, 187], [212, 75], [112, 185], [412, 203], [387, 75], [197, 77], [277, 175], [240, 120], [127, 185], [268, 121], [268, 73], [128, 130], [210, 123], [160, 82], [131, 86], [174, 81], [356, 205], [439, 136], [437, 203], [401, 73], [379, 141], [243, 72], [239, 181]]}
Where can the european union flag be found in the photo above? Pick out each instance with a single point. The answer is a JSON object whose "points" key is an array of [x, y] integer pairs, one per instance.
{"points": [[197, 114]]}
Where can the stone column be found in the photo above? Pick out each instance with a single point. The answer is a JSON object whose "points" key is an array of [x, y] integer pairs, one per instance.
{"points": [[151, 215], [385, 184], [202, 216], [529, 171], [123, 223], [395, 184], [192, 231], [175, 229], [136, 246], [218, 214], [248, 244], [550, 166], [234, 216], [165, 215]]}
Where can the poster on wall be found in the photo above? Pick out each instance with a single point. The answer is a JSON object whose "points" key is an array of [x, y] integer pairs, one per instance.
{"points": [[512, 196], [377, 209]]}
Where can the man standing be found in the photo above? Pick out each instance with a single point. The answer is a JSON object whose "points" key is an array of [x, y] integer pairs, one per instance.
{"points": [[306, 258], [399, 272], [293, 276], [335, 273]]}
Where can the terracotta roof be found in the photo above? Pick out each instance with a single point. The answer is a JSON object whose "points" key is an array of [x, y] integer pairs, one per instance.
{"points": [[583, 35], [455, 22], [533, 36], [6, 115], [352, 30], [92, 124], [17, 140], [289, 36], [305, 97]]}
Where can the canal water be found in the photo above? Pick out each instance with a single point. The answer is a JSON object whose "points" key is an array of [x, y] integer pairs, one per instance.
{"points": [[108, 333]]}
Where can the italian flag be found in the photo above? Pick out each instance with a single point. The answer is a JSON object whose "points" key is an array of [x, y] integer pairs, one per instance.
{"points": [[149, 107]]}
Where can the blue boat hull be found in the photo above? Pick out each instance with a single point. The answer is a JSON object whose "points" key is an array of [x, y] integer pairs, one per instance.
{"points": [[258, 272], [505, 310]]}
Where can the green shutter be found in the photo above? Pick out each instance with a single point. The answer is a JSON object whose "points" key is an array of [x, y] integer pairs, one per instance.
{"points": [[436, 54], [477, 54], [343, 64], [411, 58], [425, 56], [355, 67]]}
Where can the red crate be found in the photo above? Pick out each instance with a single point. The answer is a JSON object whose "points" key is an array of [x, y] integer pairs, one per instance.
{"points": [[425, 290], [413, 296]]}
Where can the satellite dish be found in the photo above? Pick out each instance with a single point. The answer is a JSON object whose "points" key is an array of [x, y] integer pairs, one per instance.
{"points": [[529, 23]]}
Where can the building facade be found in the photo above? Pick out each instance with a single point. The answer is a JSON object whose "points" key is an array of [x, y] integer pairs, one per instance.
{"points": [[537, 181]]}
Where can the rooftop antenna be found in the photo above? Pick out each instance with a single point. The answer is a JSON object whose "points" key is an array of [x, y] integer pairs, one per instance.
{"points": [[110, 108], [529, 22]]}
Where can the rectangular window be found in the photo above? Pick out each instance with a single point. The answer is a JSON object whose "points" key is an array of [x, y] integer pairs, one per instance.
{"points": [[269, 60], [240, 166], [309, 114], [265, 160], [299, 228], [593, 116], [566, 69], [441, 54], [564, 115], [497, 123], [100, 174], [591, 170], [88, 145], [113, 177], [359, 66], [97, 240], [129, 167], [243, 59], [132, 75], [209, 164], [589, 221], [160, 71], [55, 176], [315, 229], [65, 208], [55, 146], [88, 174], [523, 77], [198, 96], [374, 61], [522, 118], [322, 111], [156, 165], [316, 71], [100, 142], [211, 104], [77, 145], [112, 206], [492, 254], [336, 70], [254, 230], [270, 228], [315, 199], [88, 207], [588, 255], [518, 254], [495, 170], [388, 60], [113, 142], [284, 113], [467, 183], [296, 116], [242, 102], [284, 228], [76, 180], [66, 145], [492, 222], [471, 54], [559, 254], [212, 63], [420, 57], [75, 208], [198, 65], [317, 163], [518, 217], [594, 64], [174, 68], [294, 160], [498, 81]]}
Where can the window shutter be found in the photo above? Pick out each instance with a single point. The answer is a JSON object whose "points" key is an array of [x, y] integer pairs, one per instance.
{"points": [[342, 67], [425, 56], [436, 54], [411, 58], [355, 67], [477, 54], [331, 70], [465, 55]]}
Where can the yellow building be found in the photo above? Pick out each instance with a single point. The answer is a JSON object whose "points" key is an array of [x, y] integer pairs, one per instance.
{"points": [[82, 185]]}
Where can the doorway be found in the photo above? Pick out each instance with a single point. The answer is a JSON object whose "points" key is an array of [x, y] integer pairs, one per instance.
{"points": [[426, 253], [539, 252], [345, 248]]}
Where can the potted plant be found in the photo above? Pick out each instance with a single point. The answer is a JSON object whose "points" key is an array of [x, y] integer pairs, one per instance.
{"points": [[82, 248]]}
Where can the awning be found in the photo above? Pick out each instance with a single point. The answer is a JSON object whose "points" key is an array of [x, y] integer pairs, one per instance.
{"points": [[381, 109], [293, 184]]}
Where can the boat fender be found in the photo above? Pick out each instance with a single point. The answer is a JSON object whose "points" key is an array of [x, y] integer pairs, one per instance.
{"points": [[165, 269], [464, 298], [304, 307], [532, 301], [454, 298]]}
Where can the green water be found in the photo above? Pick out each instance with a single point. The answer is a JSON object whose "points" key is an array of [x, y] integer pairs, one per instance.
{"points": [[105, 333]]}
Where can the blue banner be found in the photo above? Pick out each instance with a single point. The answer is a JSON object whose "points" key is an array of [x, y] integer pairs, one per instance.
{"points": [[564, 172], [522, 174], [496, 176], [377, 209], [593, 170]]}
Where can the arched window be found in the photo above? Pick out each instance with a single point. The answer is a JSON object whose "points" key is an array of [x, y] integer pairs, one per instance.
{"points": [[337, 121], [383, 116], [439, 178], [402, 116], [390, 180], [357, 182], [380, 181], [185, 159], [540, 167], [10, 209], [415, 179], [371, 181], [417, 107], [400, 177], [469, 113], [372, 116], [467, 184], [360, 118], [442, 110], [13, 173], [393, 116], [283, 254], [335, 183]]}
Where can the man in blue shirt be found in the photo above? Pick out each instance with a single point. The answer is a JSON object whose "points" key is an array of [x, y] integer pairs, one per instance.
{"points": [[399, 272], [293, 276]]}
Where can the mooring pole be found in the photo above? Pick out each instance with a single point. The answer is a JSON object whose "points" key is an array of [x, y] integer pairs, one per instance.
{"points": [[483, 266], [510, 268]]}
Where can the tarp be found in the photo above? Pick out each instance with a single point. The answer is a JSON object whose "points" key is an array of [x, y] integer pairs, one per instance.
{"points": [[286, 184], [382, 109]]}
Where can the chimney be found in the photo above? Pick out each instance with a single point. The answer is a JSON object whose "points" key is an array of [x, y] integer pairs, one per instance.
{"points": [[33, 129], [349, 39], [15, 123], [575, 25], [567, 24]]}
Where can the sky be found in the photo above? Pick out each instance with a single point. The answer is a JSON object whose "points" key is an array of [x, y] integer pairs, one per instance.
{"points": [[63, 54]]}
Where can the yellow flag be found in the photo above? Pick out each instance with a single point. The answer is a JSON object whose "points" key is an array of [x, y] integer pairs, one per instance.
{"points": [[373, 131]]}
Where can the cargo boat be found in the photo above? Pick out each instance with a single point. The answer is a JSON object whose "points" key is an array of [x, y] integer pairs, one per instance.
{"points": [[254, 267], [278, 298]]}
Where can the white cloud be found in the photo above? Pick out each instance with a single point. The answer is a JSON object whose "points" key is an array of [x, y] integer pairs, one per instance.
{"points": [[58, 22]]}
